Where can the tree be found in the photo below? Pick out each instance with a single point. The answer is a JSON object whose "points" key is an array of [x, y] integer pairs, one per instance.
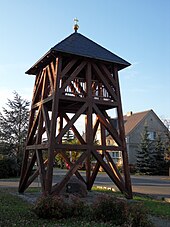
{"points": [[13, 127], [167, 143], [145, 154], [167, 147], [151, 155], [68, 137], [160, 157]]}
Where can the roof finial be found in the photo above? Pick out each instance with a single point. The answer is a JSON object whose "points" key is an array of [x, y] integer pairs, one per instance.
{"points": [[76, 27]]}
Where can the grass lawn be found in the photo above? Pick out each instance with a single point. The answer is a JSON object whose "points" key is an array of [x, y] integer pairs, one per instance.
{"points": [[16, 212], [156, 207]]}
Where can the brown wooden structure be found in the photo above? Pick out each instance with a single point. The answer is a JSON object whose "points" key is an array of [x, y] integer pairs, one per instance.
{"points": [[80, 77]]}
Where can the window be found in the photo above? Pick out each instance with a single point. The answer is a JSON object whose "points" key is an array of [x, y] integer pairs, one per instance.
{"points": [[116, 154], [152, 135]]}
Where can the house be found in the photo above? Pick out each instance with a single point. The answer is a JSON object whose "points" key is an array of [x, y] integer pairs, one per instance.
{"points": [[134, 124]]}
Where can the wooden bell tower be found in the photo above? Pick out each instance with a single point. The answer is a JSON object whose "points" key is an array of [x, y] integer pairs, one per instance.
{"points": [[75, 78]]}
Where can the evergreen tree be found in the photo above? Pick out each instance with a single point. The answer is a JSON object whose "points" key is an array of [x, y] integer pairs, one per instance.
{"points": [[167, 151], [13, 127], [68, 137], [167, 146], [160, 156], [145, 154]]}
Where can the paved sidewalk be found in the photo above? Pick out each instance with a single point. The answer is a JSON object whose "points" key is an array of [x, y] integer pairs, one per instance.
{"points": [[14, 183]]}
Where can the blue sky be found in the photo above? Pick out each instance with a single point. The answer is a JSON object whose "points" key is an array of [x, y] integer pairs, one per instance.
{"points": [[138, 31]]}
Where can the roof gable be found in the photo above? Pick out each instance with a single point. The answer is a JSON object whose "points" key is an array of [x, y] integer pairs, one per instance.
{"points": [[79, 45], [132, 121]]}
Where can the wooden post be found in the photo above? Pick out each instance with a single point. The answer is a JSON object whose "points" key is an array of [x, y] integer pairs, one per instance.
{"points": [[55, 104], [122, 137]]}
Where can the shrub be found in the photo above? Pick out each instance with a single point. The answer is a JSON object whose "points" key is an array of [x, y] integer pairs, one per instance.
{"points": [[138, 216], [58, 207], [78, 207], [105, 209], [51, 207], [108, 208], [120, 212]]}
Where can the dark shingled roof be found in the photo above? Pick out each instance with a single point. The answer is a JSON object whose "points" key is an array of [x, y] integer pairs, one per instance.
{"points": [[80, 45]]}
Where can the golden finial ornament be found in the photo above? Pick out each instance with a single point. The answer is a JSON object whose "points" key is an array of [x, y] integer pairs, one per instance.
{"points": [[76, 27]]}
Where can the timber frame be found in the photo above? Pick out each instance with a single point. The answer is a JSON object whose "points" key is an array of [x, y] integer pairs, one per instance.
{"points": [[80, 86]]}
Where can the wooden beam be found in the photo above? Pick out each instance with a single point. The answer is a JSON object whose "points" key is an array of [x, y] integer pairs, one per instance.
{"points": [[108, 75], [109, 171], [79, 87], [35, 174], [51, 78], [113, 166], [89, 123], [94, 173], [72, 76], [105, 102], [23, 170], [71, 147], [105, 82], [77, 134], [122, 135], [73, 89], [58, 187], [54, 69], [71, 122], [41, 102], [24, 180], [64, 155], [110, 129], [72, 98], [39, 155], [108, 147], [45, 146], [44, 86], [47, 120], [68, 67], [32, 131], [42, 146], [96, 125], [49, 174], [37, 81], [38, 89]]}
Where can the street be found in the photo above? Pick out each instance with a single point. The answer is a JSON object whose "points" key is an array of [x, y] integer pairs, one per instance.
{"points": [[152, 185]]}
